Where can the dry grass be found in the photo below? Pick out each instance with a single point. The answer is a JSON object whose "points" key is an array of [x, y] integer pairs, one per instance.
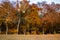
{"points": [[30, 37]]}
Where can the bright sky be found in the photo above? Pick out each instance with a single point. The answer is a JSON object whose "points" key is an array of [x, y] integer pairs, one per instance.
{"points": [[48, 1]]}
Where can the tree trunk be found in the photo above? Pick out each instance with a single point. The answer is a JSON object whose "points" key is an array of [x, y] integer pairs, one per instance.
{"points": [[6, 29], [43, 30], [27, 27], [0, 30], [18, 25]]}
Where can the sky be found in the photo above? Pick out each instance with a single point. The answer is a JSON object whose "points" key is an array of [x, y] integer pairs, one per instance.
{"points": [[48, 1]]}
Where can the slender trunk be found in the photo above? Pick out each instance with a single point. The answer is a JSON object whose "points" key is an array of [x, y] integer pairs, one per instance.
{"points": [[27, 27], [0, 30], [24, 31], [43, 30], [52, 28], [6, 29], [18, 25]]}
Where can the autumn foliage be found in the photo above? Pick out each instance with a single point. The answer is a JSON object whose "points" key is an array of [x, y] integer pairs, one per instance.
{"points": [[25, 19]]}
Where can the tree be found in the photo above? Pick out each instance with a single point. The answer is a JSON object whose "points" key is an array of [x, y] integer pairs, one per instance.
{"points": [[33, 18], [8, 12]]}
